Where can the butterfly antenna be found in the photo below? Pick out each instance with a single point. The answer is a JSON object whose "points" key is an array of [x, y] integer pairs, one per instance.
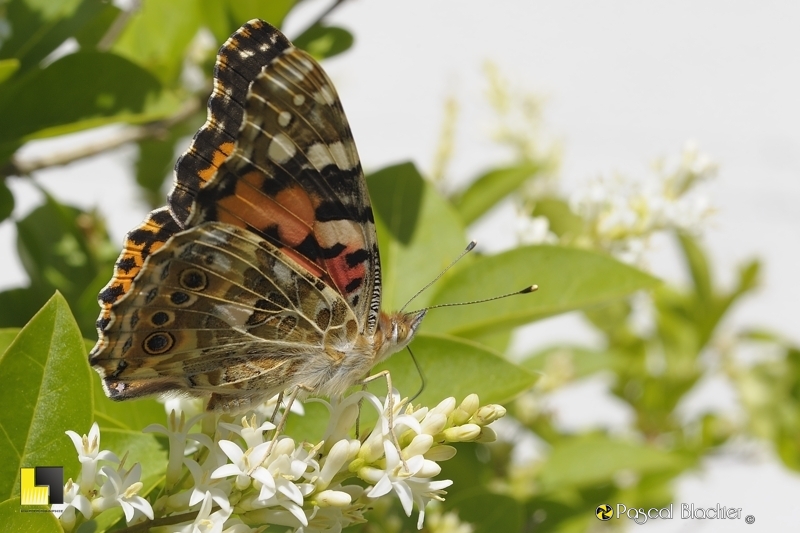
{"points": [[467, 250], [526, 290]]}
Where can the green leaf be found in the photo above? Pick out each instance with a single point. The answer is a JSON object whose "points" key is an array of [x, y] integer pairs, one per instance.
{"points": [[34, 522], [698, 267], [6, 201], [144, 448], [97, 28], [158, 35], [54, 250], [418, 231], [572, 362], [487, 512], [324, 41], [490, 188], [7, 68], [596, 459], [17, 306], [45, 377], [273, 11], [454, 367], [563, 222], [568, 279], [7, 336], [41, 26], [79, 91]]}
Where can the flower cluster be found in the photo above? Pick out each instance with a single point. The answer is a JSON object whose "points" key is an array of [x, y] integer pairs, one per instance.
{"points": [[235, 476], [621, 215]]}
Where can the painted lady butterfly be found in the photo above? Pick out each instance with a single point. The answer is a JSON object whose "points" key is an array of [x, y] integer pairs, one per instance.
{"points": [[262, 274]]}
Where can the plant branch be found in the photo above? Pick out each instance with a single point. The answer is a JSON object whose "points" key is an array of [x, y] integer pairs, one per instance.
{"points": [[142, 527], [17, 167], [322, 16]]}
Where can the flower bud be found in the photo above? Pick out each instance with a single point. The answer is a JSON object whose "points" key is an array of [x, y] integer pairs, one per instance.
{"points": [[334, 462], [465, 433], [465, 410], [434, 423], [429, 469], [419, 446], [333, 498], [488, 414], [445, 407]]}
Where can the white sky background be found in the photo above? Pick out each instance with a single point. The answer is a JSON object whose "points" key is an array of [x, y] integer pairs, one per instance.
{"points": [[626, 82]]}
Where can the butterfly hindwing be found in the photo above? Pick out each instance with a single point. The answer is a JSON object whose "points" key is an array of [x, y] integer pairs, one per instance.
{"points": [[219, 310]]}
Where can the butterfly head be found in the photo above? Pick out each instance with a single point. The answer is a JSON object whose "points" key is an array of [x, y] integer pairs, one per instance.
{"points": [[395, 332]]}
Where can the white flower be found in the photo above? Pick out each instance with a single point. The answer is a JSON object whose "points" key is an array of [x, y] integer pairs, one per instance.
{"points": [[206, 521], [178, 434], [411, 486], [73, 499], [372, 448], [337, 457], [243, 463], [439, 522], [88, 448], [534, 230], [343, 414], [251, 431], [281, 478], [121, 488], [204, 487]]}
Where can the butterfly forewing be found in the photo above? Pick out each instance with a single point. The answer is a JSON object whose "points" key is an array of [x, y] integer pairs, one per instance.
{"points": [[294, 178], [238, 63]]}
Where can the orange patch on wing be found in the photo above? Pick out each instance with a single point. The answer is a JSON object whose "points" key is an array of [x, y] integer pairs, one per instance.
{"points": [[299, 208], [220, 155], [291, 210], [343, 274]]}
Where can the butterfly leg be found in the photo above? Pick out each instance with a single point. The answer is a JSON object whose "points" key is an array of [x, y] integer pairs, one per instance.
{"points": [[289, 401], [389, 408], [277, 408]]}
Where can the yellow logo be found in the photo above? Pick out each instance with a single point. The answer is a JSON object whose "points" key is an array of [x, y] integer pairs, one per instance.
{"points": [[604, 512], [42, 485]]}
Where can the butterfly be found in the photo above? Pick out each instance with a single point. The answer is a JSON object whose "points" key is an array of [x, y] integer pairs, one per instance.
{"points": [[262, 273]]}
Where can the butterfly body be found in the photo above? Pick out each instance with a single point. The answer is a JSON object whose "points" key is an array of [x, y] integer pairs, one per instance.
{"points": [[262, 274]]}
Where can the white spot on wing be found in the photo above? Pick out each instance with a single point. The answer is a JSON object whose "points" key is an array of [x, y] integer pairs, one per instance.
{"points": [[324, 95], [339, 231], [319, 156], [299, 99], [281, 149], [341, 156], [234, 315], [304, 64], [282, 273], [284, 117], [244, 54]]}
